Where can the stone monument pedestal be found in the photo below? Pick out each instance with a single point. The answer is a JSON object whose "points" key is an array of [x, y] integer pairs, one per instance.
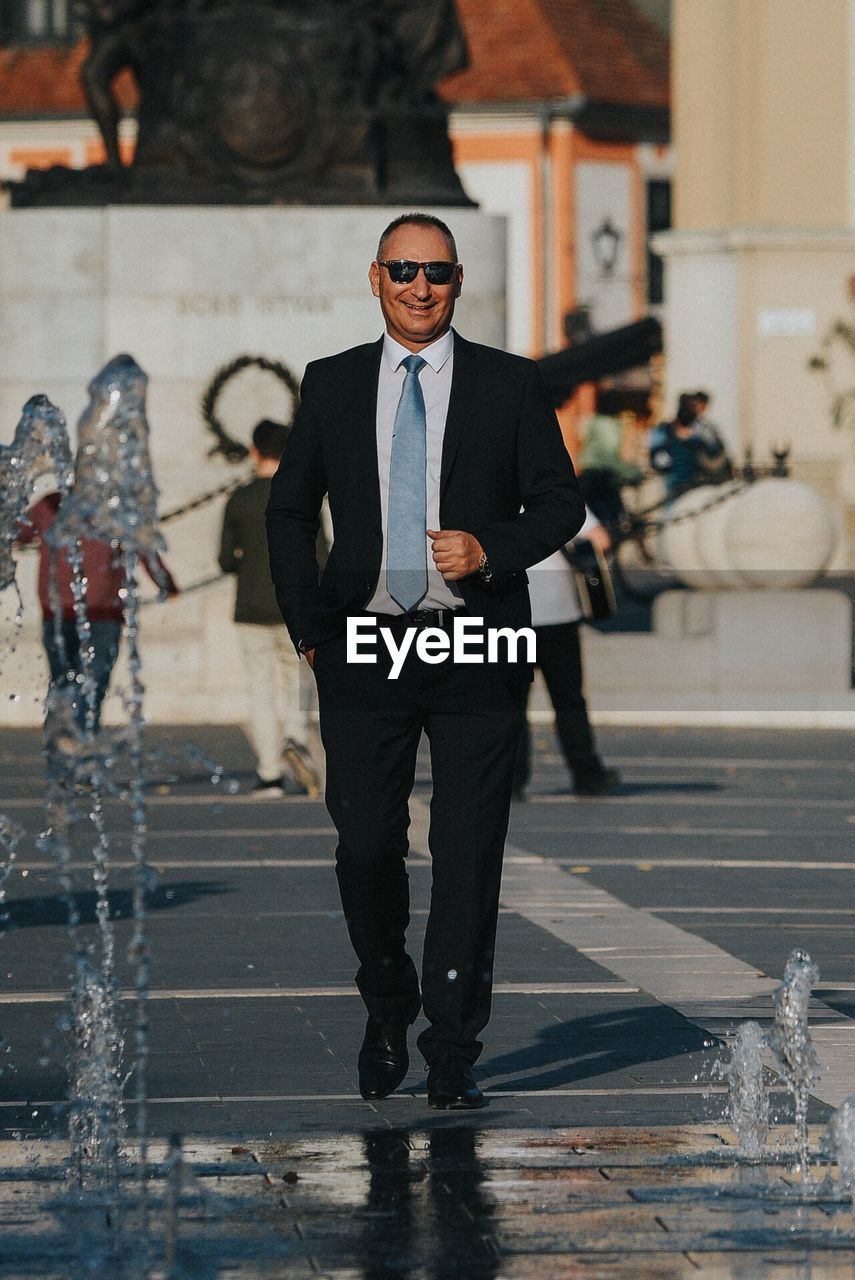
{"points": [[187, 291]]}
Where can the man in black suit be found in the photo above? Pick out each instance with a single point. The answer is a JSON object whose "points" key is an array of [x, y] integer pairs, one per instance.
{"points": [[496, 493]]}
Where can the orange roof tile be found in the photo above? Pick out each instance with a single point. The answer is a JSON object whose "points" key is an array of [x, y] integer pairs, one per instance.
{"points": [[535, 50], [514, 54], [620, 55]]}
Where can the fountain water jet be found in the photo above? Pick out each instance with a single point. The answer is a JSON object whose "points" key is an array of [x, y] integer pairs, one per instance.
{"points": [[791, 1043], [114, 497], [110, 497], [114, 500], [96, 1120], [11, 836], [790, 1051], [840, 1140], [748, 1098], [39, 449]]}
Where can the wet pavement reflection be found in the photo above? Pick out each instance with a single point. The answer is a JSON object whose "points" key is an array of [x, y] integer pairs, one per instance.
{"points": [[454, 1200], [427, 1210], [457, 1201]]}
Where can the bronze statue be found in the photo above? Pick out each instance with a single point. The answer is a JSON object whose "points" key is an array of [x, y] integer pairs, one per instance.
{"points": [[253, 101], [425, 43], [111, 28]]}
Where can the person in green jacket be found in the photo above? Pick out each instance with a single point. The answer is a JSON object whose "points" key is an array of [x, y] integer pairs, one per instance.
{"points": [[602, 467], [278, 724]]}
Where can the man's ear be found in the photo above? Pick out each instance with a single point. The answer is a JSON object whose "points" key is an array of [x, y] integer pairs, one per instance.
{"points": [[374, 279], [459, 287]]}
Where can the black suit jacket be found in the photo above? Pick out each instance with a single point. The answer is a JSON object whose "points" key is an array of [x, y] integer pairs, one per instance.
{"points": [[502, 451]]}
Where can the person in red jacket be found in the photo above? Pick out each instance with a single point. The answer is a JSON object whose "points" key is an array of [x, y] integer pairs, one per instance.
{"points": [[104, 585]]}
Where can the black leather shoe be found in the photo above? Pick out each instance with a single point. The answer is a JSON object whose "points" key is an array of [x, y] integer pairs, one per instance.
{"points": [[451, 1086], [383, 1058], [602, 782]]}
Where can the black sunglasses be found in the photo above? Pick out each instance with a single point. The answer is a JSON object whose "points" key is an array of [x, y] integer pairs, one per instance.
{"points": [[402, 271]]}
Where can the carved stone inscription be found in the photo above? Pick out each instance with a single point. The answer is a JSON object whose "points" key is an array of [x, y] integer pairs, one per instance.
{"points": [[205, 305]]}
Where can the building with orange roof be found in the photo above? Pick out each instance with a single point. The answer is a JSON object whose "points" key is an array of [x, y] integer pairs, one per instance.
{"points": [[561, 123]]}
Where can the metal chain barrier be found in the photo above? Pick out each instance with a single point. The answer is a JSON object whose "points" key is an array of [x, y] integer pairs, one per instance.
{"points": [[183, 591], [636, 521], [633, 524], [203, 499], [195, 504]]}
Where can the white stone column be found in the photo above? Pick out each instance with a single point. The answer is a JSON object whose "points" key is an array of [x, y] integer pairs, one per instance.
{"points": [[702, 324]]}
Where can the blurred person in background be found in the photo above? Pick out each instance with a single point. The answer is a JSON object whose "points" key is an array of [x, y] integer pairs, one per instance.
{"points": [[715, 461], [701, 403], [603, 462], [556, 614], [104, 587], [684, 454], [278, 722]]}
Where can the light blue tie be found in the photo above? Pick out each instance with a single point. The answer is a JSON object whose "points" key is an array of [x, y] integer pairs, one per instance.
{"points": [[406, 530]]}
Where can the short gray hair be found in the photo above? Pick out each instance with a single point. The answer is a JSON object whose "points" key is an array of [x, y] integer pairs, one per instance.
{"points": [[418, 220]]}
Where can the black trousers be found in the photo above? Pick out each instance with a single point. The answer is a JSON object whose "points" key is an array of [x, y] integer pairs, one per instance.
{"points": [[371, 726], [559, 656]]}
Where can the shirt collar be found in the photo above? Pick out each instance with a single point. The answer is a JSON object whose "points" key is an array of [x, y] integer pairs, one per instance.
{"points": [[436, 355]]}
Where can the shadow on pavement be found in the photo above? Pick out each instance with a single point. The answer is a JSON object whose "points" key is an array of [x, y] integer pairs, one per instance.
{"points": [[644, 788], [51, 909], [626, 790], [841, 1000], [597, 1045], [172, 778]]}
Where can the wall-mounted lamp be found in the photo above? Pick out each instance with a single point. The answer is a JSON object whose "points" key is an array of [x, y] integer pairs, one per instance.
{"points": [[606, 240]]}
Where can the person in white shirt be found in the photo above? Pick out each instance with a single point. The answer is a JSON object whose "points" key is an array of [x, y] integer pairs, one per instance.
{"points": [[556, 615]]}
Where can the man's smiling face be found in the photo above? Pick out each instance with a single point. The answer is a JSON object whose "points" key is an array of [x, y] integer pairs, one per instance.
{"points": [[418, 313]]}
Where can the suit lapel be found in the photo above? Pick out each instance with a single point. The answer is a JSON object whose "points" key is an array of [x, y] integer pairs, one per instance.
{"points": [[462, 406], [362, 394]]}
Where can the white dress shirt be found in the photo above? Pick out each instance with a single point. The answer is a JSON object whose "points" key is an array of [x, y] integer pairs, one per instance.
{"points": [[435, 381]]}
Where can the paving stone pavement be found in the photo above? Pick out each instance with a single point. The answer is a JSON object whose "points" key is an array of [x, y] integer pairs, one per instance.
{"points": [[636, 933], [450, 1201]]}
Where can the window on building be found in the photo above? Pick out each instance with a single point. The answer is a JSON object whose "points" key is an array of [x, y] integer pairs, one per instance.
{"points": [[658, 219], [28, 21]]}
